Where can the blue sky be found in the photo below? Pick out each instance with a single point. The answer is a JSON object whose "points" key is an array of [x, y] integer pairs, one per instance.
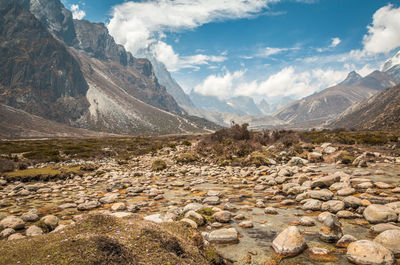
{"points": [[259, 48]]}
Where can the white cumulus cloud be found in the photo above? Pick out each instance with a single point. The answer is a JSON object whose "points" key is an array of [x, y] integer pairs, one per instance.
{"points": [[220, 86], [173, 61], [384, 33], [77, 13], [139, 25], [287, 82]]}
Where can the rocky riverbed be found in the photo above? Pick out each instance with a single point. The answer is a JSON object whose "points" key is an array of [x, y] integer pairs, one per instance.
{"points": [[296, 211]]}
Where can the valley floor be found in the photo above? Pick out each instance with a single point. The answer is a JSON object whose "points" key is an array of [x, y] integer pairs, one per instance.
{"points": [[238, 210]]}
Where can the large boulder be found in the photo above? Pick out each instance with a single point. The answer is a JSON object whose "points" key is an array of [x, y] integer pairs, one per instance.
{"points": [[365, 252], [50, 221], [12, 222], [376, 213], [222, 216], [289, 242], [224, 235], [390, 239], [33, 230]]}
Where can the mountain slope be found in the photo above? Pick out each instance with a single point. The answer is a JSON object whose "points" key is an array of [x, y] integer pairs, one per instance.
{"points": [[382, 111], [333, 101], [137, 75], [15, 123], [114, 107], [165, 79], [38, 74], [87, 81]]}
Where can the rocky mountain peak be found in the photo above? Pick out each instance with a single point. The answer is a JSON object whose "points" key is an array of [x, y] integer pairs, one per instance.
{"points": [[54, 16], [351, 78], [95, 40], [395, 60]]}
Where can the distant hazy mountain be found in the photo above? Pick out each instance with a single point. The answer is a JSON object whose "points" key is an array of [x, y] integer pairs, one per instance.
{"points": [[382, 111], [331, 102], [245, 105], [352, 78], [212, 103], [264, 107], [73, 72]]}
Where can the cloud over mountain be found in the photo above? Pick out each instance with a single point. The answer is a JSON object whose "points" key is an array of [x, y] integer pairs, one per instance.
{"points": [[139, 25]]}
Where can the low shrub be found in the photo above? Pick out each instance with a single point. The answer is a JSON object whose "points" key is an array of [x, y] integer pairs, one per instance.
{"points": [[158, 165], [186, 158]]}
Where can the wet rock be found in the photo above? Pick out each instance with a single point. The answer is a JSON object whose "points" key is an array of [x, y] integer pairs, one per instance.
{"points": [[390, 239], [192, 207], [216, 225], [352, 202], [331, 231], [312, 205], [347, 214], [109, 198], [332, 206], [178, 184], [324, 195], [323, 216], [239, 217], [212, 193], [260, 204], [383, 185], [121, 214], [270, 210], [340, 186], [198, 218], [192, 223], [67, 206], [367, 252], [325, 182], [376, 213], [224, 235], [346, 191], [156, 218], [379, 228], [315, 157], [213, 200], [246, 224], [15, 237], [13, 222], [395, 206], [345, 241], [288, 202], [88, 205], [33, 230], [307, 221], [30, 217], [116, 207], [319, 251], [6, 233], [222, 216], [297, 161], [289, 242], [51, 221]]}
